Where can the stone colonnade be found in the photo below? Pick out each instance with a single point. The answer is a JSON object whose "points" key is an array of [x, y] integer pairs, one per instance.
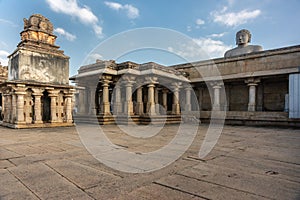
{"points": [[122, 102], [37, 105], [157, 97], [218, 92]]}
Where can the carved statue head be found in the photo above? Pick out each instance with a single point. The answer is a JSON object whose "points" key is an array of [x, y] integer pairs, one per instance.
{"points": [[243, 37]]}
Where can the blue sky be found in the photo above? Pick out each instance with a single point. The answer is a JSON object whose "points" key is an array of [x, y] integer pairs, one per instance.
{"points": [[83, 24]]}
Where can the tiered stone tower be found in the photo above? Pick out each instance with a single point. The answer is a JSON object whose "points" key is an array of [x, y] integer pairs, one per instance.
{"points": [[37, 93], [37, 58]]}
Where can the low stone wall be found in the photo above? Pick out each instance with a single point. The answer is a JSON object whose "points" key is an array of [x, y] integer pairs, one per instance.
{"points": [[254, 118]]}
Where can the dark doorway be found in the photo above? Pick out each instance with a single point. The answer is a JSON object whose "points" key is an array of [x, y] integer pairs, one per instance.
{"points": [[169, 101], [46, 101]]}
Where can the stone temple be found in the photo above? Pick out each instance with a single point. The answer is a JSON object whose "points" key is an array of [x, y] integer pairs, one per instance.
{"points": [[248, 86], [37, 91], [252, 87]]}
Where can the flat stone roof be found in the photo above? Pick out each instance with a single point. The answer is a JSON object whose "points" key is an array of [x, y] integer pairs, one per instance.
{"points": [[246, 163]]}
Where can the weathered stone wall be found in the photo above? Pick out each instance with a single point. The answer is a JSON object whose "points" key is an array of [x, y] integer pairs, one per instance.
{"points": [[238, 97], [3, 73], [277, 61], [253, 82], [40, 67], [274, 94]]}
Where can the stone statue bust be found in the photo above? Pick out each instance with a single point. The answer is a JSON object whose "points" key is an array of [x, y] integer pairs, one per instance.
{"points": [[243, 37]]}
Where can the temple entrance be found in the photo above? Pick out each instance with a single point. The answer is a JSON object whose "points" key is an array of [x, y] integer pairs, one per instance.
{"points": [[46, 102]]}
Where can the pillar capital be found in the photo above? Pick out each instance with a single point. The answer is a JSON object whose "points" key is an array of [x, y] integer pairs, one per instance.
{"points": [[165, 90], [151, 79], [252, 81], [106, 77], [176, 86], [37, 92], [20, 92], [216, 84], [20, 89], [104, 82], [128, 77], [52, 92], [188, 88], [69, 93]]}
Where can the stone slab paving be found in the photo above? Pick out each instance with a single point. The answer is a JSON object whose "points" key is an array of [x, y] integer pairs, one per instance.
{"points": [[246, 163]]}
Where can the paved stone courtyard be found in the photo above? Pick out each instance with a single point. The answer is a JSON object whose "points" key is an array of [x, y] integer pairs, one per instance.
{"points": [[247, 163]]}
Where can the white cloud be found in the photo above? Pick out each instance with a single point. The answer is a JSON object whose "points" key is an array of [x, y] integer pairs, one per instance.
{"points": [[131, 11], [201, 49], [3, 57], [213, 48], [83, 14], [234, 18], [200, 22], [113, 5], [66, 34], [217, 35], [93, 57]]}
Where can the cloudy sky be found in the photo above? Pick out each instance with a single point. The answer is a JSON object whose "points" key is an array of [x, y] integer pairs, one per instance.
{"points": [[81, 25]]}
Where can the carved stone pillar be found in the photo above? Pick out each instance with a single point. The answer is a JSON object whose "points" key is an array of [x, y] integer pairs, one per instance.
{"points": [[105, 107], [151, 100], [13, 114], [92, 107], [164, 99], [252, 83], [216, 87], [37, 106], [176, 106], [128, 105], [68, 101], [188, 106], [81, 103], [20, 106], [53, 99], [117, 103], [139, 104], [7, 108], [3, 106], [156, 100]]}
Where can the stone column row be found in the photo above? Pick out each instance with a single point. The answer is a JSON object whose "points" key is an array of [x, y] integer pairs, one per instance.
{"points": [[15, 110], [126, 107], [252, 83]]}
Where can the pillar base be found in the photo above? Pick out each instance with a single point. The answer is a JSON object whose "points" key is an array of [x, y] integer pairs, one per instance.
{"points": [[117, 108], [188, 107], [151, 109], [175, 109], [106, 107], [19, 123], [157, 109], [251, 107], [216, 107], [128, 109], [139, 109]]}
